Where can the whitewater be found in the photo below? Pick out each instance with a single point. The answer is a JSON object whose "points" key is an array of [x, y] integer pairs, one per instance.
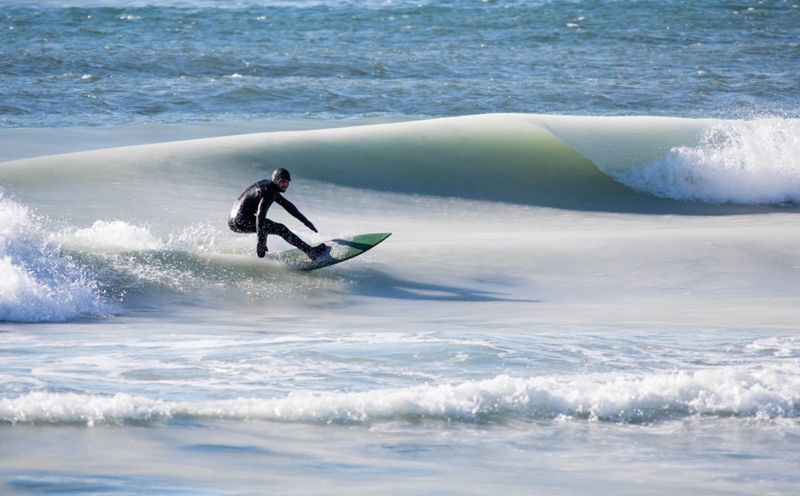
{"points": [[590, 286]]}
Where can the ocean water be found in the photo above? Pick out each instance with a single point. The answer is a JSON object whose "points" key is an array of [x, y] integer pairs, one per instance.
{"points": [[591, 283]]}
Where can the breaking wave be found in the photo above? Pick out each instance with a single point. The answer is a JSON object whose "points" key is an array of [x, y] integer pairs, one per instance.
{"points": [[744, 162], [39, 283], [762, 393], [579, 162]]}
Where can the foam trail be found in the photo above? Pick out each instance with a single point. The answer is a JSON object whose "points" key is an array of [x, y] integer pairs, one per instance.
{"points": [[744, 162], [757, 393]]}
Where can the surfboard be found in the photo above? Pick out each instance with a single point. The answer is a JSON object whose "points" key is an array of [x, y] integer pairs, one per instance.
{"points": [[338, 251]]}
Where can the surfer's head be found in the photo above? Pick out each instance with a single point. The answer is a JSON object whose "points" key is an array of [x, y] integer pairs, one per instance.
{"points": [[281, 177]]}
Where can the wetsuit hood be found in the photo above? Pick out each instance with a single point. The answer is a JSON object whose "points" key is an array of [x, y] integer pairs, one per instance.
{"points": [[281, 174]]}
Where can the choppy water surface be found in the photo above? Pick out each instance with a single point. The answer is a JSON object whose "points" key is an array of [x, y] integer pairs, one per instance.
{"points": [[105, 63]]}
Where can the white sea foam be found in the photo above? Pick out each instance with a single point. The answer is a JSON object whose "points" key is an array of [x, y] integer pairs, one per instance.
{"points": [[38, 283], [745, 162], [112, 236], [731, 392], [78, 408]]}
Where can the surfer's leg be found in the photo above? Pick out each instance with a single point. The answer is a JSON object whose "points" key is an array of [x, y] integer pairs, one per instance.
{"points": [[289, 236], [240, 224], [294, 240], [281, 230], [262, 228]]}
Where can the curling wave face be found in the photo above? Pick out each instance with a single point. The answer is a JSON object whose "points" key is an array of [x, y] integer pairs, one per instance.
{"points": [[596, 163]]}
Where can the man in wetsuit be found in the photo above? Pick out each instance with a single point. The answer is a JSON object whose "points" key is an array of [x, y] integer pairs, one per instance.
{"points": [[249, 214]]}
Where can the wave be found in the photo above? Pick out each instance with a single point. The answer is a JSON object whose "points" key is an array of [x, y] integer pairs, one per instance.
{"points": [[758, 394], [110, 266], [595, 163], [38, 283], [104, 236], [743, 162], [599, 163]]}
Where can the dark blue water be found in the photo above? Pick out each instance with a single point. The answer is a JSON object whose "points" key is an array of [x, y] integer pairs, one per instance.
{"points": [[210, 61]]}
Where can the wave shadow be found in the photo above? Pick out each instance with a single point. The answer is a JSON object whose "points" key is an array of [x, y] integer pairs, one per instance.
{"points": [[379, 284]]}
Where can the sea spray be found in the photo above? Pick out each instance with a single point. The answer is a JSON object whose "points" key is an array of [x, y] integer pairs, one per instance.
{"points": [[113, 236], [39, 283], [128, 259], [742, 162]]}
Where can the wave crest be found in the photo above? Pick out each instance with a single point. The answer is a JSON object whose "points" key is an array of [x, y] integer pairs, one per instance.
{"points": [[742, 162], [727, 392]]}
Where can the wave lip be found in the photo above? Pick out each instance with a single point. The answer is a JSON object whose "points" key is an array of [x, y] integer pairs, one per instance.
{"points": [[728, 392]]}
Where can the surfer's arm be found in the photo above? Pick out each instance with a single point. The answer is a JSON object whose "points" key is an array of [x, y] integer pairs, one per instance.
{"points": [[289, 207]]}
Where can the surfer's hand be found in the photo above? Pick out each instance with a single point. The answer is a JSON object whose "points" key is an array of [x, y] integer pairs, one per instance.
{"points": [[311, 226]]}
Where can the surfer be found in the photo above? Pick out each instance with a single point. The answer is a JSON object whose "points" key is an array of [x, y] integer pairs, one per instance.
{"points": [[249, 215]]}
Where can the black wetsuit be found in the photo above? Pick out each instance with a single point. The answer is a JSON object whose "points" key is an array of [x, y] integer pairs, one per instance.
{"points": [[249, 214]]}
